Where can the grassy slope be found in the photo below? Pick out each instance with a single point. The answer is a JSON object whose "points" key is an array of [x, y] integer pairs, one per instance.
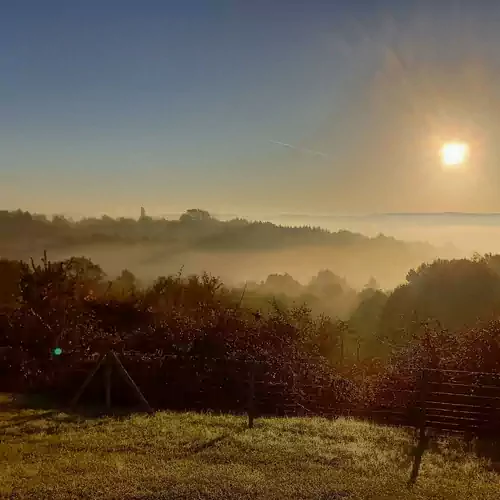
{"points": [[53, 455]]}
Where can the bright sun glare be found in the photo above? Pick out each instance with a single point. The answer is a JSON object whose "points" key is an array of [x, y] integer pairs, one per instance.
{"points": [[454, 154]]}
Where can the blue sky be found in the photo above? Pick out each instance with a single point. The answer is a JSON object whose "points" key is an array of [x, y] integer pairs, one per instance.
{"points": [[112, 104]]}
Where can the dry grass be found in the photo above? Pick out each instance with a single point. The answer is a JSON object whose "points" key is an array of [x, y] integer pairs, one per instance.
{"points": [[174, 456]]}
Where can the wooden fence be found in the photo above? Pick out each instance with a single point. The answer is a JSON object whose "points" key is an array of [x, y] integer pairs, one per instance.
{"points": [[441, 401]]}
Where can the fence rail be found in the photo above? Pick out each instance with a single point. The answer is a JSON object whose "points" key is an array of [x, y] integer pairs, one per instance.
{"points": [[441, 400], [435, 400]]}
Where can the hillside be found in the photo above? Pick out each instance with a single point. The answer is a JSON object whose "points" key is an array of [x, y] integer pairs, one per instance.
{"points": [[174, 456], [237, 250]]}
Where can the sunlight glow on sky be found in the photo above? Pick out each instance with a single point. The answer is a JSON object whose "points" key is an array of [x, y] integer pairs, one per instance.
{"points": [[247, 107]]}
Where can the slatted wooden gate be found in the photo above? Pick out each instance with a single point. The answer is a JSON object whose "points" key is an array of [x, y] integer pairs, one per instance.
{"points": [[454, 401]]}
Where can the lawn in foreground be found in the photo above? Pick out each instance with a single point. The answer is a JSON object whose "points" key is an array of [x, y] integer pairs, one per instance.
{"points": [[175, 456]]}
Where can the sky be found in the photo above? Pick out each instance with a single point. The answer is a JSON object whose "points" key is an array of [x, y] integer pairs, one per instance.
{"points": [[317, 107]]}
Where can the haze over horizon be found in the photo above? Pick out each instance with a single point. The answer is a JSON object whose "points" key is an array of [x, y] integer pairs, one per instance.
{"points": [[454, 233], [317, 107]]}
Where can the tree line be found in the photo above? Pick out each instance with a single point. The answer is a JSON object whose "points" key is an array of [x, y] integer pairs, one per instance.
{"points": [[195, 227]]}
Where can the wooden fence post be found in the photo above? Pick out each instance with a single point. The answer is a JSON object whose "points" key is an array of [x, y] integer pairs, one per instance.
{"points": [[251, 396], [90, 376], [107, 361], [128, 379], [422, 437], [108, 368]]}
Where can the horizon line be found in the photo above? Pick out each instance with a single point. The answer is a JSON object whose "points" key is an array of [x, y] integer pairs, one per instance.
{"points": [[276, 214]]}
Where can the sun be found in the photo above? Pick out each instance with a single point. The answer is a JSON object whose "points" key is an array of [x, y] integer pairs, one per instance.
{"points": [[454, 154]]}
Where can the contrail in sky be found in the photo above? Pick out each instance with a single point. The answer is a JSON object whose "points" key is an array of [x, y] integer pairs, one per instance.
{"points": [[291, 146]]}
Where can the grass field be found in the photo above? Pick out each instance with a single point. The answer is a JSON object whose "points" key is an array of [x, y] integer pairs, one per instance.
{"points": [[53, 455]]}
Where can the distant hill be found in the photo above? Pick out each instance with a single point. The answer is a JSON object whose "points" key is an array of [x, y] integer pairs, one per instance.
{"points": [[236, 248], [414, 217], [197, 228]]}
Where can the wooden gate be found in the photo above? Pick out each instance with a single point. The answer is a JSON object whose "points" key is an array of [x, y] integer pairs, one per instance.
{"points": [[454, 401]]}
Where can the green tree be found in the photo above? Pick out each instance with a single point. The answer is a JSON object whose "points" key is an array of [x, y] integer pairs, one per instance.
{"points": [[365, 321], [453, 293]]}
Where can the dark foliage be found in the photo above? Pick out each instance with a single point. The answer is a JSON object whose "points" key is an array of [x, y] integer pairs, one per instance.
{"points": [[169, 336], [192, 343]]}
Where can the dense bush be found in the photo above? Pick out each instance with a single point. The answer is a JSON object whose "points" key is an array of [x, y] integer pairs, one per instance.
{"points": [[189, 342], [68, 305]]}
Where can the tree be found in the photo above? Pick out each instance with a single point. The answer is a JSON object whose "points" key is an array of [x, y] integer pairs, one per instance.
{"points": [[282, 284], [365, 320], [60, 221], [372, 284], [453, 293], [327, 284], [125, 284], [88, 277], [336, 297], [84, 269], [195, 215]]}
